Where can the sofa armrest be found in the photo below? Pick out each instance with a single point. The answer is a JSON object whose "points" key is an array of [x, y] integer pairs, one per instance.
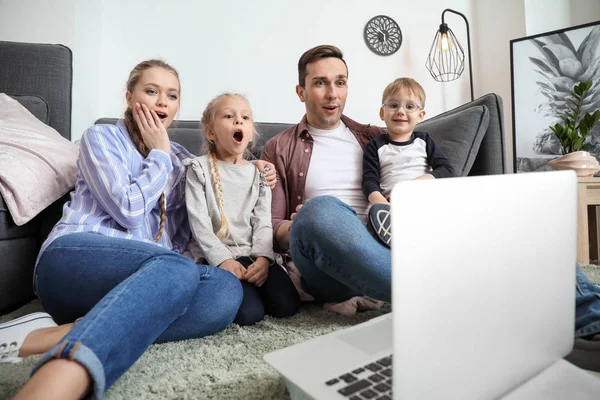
{"points": [[43, 70]]}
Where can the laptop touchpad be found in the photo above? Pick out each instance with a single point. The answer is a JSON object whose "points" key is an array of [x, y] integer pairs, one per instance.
{"points": [[371, 338]]}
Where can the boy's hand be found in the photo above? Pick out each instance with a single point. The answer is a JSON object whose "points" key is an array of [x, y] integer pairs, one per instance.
{"points": [[234, 267], [258, 271], [426, 176], [377, 198], [271, 175]]}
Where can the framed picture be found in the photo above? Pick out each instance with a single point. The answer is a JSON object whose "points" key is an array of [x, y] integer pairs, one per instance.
{"points": [[544, 69]]}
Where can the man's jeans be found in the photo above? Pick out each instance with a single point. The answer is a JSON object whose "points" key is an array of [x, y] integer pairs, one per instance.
{"points": [[338, 258], [336, 255], [132, 294]]}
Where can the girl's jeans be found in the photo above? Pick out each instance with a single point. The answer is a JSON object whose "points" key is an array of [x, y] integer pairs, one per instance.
{"points": [[339, 258], [132, 294]]}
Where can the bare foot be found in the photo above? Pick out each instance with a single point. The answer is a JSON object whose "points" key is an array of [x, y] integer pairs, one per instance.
{"points": [[57, 379], [42, 340]]}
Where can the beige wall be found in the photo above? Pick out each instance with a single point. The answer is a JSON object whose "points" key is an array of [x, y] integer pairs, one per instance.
{"points": [[496, 24]]}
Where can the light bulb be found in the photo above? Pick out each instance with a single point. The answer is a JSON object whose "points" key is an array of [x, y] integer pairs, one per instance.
{"points": [[444, 45]]}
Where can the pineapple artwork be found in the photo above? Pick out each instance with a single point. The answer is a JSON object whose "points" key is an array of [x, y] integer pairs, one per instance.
{"points": [[560, 66]]}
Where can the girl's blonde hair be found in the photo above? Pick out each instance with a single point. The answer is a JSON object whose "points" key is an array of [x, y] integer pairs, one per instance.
{"points": [[134, 132], [208, 119]]}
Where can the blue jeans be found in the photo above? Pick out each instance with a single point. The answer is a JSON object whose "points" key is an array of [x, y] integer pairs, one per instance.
{"points": [[587, 306], [132, 294], [338, 258], [336, 254]]}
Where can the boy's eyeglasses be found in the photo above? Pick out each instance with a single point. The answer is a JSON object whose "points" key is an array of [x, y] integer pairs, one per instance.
{"points": [[409, 107]]}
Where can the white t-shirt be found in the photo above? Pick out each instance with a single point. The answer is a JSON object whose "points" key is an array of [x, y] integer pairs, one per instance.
{"points": [[336, 168]]}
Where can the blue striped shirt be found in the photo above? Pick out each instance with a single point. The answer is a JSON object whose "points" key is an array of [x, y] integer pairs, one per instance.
{"points": [[117, 191]]}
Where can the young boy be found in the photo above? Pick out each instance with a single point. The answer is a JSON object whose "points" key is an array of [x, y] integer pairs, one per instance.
{"points": [[400, 154]]}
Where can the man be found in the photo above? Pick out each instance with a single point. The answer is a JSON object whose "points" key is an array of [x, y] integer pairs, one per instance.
{"points": [[319, 166], [319, 212]]}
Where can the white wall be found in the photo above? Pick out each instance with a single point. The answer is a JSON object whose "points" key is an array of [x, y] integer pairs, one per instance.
{"points": [[253, 48], [250, 47], [549, 15], [539, 19], [496, 24], [584, 11]]}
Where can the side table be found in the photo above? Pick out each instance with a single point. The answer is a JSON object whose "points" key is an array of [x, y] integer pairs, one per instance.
{"points": [[588, 195]]}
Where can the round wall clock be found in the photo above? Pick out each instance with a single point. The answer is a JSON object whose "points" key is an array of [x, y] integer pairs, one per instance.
{"points": [[383, 35]]}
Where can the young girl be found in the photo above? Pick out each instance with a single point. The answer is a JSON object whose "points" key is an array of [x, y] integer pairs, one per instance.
{"points": [[229, 208]]}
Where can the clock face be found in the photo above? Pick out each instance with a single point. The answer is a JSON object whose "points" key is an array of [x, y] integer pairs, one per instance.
{"points": [[383, 35]]}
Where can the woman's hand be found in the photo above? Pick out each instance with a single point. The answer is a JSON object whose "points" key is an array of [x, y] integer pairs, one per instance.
{"points": [[271, 176], [153, 132], [258, 271], [234, 267]]}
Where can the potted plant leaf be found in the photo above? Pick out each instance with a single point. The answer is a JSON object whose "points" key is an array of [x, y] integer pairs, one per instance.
{"points": [[577, 122]]}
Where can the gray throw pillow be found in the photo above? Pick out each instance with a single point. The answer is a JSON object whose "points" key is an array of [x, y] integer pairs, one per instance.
{"points": [[459, 135]]}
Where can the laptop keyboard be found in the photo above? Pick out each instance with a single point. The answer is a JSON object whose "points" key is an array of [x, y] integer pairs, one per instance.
{"points": [[370, 382]]}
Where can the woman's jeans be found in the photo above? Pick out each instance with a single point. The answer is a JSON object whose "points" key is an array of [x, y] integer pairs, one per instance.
{"points": [[132, 294], [338, 259]]}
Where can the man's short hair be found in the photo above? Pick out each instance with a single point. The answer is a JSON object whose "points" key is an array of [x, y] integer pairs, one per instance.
{"points": [[315, 54], [404, 84]]}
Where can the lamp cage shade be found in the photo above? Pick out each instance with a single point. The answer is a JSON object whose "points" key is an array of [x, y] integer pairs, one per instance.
{"points": [[446, 59]]}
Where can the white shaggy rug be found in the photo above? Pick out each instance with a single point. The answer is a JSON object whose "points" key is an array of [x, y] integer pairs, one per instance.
{"points": [[227, 365], [224, 366]]}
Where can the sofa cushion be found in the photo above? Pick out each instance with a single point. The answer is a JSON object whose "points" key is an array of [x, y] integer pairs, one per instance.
{"points": [[38, 164], [35, 104], [459, 135]]}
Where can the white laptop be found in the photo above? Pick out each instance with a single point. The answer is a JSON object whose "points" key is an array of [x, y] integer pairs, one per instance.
{"points": [[483, 300]]}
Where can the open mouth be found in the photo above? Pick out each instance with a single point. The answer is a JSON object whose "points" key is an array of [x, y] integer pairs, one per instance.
{"points": [[161, 115], [331, 107], [238, 136]]}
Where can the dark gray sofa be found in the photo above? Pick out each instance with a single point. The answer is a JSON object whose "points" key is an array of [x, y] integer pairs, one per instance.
{"points": [[471, 136], [40, 76]]}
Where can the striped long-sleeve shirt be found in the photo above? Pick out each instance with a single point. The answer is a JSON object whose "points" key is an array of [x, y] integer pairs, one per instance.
{"points": [[386, 162], [117, 191]]}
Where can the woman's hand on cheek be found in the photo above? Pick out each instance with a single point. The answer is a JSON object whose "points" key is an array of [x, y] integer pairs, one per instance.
{"points": [[153, 132]]}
